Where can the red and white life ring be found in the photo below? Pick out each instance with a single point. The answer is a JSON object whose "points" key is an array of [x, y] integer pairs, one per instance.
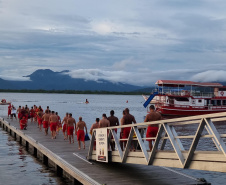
{"points": [[3, 100], [222, 93]]}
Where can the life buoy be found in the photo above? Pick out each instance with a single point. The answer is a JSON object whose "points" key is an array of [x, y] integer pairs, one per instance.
{"points": [[222, 93], [3, 100]]}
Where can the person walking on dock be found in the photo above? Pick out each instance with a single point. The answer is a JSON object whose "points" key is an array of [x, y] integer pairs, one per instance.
{"points": [[9, 110], [94, 126], [45, 119], [70, 127], [64, 123], [152, 130], [126, 120], [53, 119], [79, 131], [113, 122]]}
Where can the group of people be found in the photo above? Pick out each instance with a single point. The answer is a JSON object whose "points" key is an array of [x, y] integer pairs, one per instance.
{"points": [[127, 119], [50, 119]]}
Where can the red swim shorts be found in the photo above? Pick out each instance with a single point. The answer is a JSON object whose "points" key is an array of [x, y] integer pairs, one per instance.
{"points": [[126, 132], [152, 132], [39, 121], [70, 130], [64, 127], [53, 126], [81, 135], [45, 124]]}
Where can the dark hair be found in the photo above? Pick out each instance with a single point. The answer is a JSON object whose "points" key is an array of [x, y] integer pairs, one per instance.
{"points": [[152, 107], [112, 112], [53, 112], [127, 110], [97, 119], [70, 114], [104, 115]]}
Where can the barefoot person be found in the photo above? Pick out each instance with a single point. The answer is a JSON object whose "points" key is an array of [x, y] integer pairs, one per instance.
{"points": [[64, 123], [94, 126], [79, 131], [53, 119], [70, 127], [126, 120], [152, 129], [39, 119], [113, 122], [45, 122], [9, 110], [23, 123]]}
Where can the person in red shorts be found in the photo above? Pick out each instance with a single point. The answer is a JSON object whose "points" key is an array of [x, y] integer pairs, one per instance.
{"points": [[70, 127], [9, 110], [94, 126], [126, 120], [53, 119], [45, 122], [23, 123], [152, 130], [32, 114], [19, 113], [64, 123], [79, 131]]}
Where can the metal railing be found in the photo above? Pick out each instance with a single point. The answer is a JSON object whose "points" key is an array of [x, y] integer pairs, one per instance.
{"points": [[177, 156]]}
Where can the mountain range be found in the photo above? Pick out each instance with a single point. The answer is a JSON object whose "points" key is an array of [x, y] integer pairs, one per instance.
{"points": [[47, 79]]}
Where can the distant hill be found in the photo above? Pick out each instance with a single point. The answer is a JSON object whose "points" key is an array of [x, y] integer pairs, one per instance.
{"points": [[47, 79]]}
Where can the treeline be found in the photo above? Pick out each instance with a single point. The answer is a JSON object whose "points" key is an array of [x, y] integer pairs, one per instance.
{"points": [[72, 92]]}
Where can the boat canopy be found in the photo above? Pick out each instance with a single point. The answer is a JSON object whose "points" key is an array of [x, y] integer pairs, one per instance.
{"points": [[180, 83]]}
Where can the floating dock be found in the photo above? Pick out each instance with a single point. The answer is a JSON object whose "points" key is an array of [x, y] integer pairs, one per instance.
{"points": [[70, 162]]}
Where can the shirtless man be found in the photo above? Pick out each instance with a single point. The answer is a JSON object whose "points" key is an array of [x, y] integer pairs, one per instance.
{"points": [[70, 127], [152, 130], [53, 119], [94, 126], [104, 122], [113, 122], [126, 120], [39, 118], [65, 126], [79, 131], [45, 119]]}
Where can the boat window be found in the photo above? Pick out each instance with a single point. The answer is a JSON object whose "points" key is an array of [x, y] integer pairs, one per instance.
{"points": [[218, 102], [181, 99], [200, 101], [224, 102], [213, 102]]}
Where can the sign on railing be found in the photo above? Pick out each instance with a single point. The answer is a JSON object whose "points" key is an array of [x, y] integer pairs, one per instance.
{"points": [[101, 145]]}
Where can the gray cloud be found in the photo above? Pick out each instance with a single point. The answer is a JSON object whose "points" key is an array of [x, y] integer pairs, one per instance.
{"points": [[139, 43]]}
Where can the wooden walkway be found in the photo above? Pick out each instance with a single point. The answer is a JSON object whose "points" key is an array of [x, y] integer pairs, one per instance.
{"points": [[68, 161]]}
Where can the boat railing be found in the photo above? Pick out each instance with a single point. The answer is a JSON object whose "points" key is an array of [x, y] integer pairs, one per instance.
{"points": [[188, 93]]}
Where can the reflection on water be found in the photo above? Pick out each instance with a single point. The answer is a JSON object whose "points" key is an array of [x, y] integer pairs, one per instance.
{"points": [[19, 167]]}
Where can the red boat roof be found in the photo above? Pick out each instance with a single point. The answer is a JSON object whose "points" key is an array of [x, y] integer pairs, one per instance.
{"points": [[183, 83]]}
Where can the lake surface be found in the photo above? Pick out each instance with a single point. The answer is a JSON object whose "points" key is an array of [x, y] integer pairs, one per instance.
{"points": [[16, 161]]}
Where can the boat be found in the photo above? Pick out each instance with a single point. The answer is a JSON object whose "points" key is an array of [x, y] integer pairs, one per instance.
{"points": [[187, 98], [4, 102]]}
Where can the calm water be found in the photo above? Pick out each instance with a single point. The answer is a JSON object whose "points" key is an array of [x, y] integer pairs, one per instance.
{"points": [[14, 159]]}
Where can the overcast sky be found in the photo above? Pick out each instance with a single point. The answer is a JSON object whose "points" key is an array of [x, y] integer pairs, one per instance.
{"points": [[129, 41]]}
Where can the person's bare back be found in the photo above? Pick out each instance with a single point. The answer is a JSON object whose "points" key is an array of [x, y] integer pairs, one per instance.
{"points": [[71, 121], [104, 122], [46, 116], [80, 125], [53, 118]]}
